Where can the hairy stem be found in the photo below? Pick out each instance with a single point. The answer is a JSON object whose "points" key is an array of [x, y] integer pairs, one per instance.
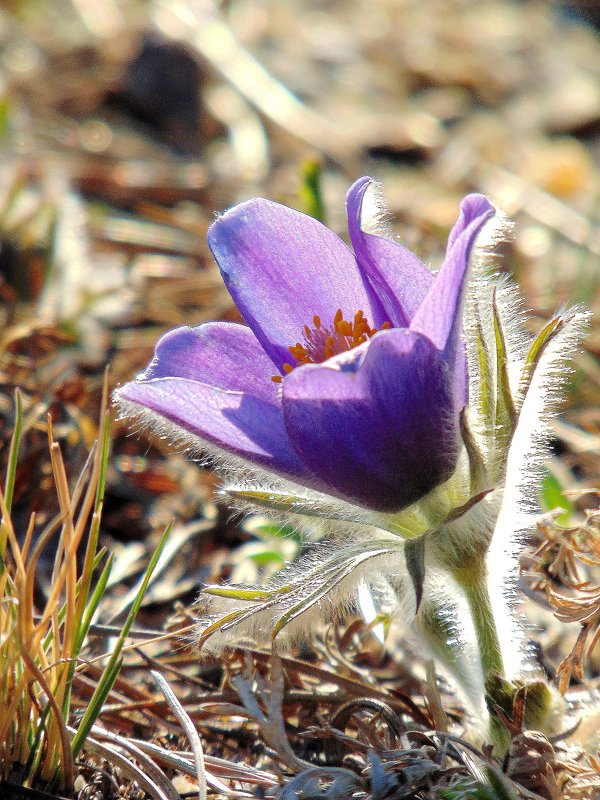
{"points": [[474, 585], [473, 582]]}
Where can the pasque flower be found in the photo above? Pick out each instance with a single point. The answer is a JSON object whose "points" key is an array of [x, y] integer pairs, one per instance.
{"points": [[402, 409], [351, 375]]}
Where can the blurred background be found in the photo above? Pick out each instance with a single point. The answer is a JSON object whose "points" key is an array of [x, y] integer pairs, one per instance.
{"points": [[126, 125]]}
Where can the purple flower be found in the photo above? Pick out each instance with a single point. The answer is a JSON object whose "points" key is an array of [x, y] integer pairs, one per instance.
{"points": [[351, 375]]}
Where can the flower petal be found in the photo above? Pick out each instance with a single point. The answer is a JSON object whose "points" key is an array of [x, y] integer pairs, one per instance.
{"points": [[400, 279], [384, 435], [221, 354], [282, 268], [439, 315], [233, 421]]}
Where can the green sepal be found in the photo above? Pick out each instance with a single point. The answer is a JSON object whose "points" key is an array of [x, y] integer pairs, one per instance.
{"points": [[505, 408], [539, 344], [477, 468], [487, 400], [499, 694], [539, 706]]}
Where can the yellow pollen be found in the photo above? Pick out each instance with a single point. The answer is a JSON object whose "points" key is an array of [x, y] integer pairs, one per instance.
{"points": [[321, 343]]}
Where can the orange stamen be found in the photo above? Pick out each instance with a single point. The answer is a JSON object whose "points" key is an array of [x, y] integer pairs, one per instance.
{"points": [[320, 344]]}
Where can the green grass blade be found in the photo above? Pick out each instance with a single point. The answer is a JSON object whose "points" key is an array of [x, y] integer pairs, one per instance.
{"points": [[311, 196], [11, 471], [93, 603], [84, 583], [13, 455], [104, 465], [114, 663]]}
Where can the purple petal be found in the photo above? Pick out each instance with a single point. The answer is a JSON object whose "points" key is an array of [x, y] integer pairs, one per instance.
{"points": [[384, 435], [439, 315], [472, 207], [214, 382], [400, 279], [238, 423], [221, 354], [282, 268]]}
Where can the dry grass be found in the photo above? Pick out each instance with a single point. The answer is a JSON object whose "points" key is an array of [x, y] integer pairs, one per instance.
{"points": [[41, 646]]}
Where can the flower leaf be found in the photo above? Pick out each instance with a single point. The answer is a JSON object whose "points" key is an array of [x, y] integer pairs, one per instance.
{"points": [[487, 400], [408, 523], [235, 593], [337, 575], [539, 344], [505, 408], [304, 588], [281, 501], [477, 467]]}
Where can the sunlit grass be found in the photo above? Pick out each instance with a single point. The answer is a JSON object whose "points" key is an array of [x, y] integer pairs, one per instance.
{"points": [[40, 647]]}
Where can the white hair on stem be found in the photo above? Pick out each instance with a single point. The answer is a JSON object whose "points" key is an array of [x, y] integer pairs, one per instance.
{"points": [[445, 613]]}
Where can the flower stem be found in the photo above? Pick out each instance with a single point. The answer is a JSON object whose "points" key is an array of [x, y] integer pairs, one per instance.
{"points": [[474, 586]]}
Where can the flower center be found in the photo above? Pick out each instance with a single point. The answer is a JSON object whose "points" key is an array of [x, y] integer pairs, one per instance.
{"points": [[321, 343]]}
